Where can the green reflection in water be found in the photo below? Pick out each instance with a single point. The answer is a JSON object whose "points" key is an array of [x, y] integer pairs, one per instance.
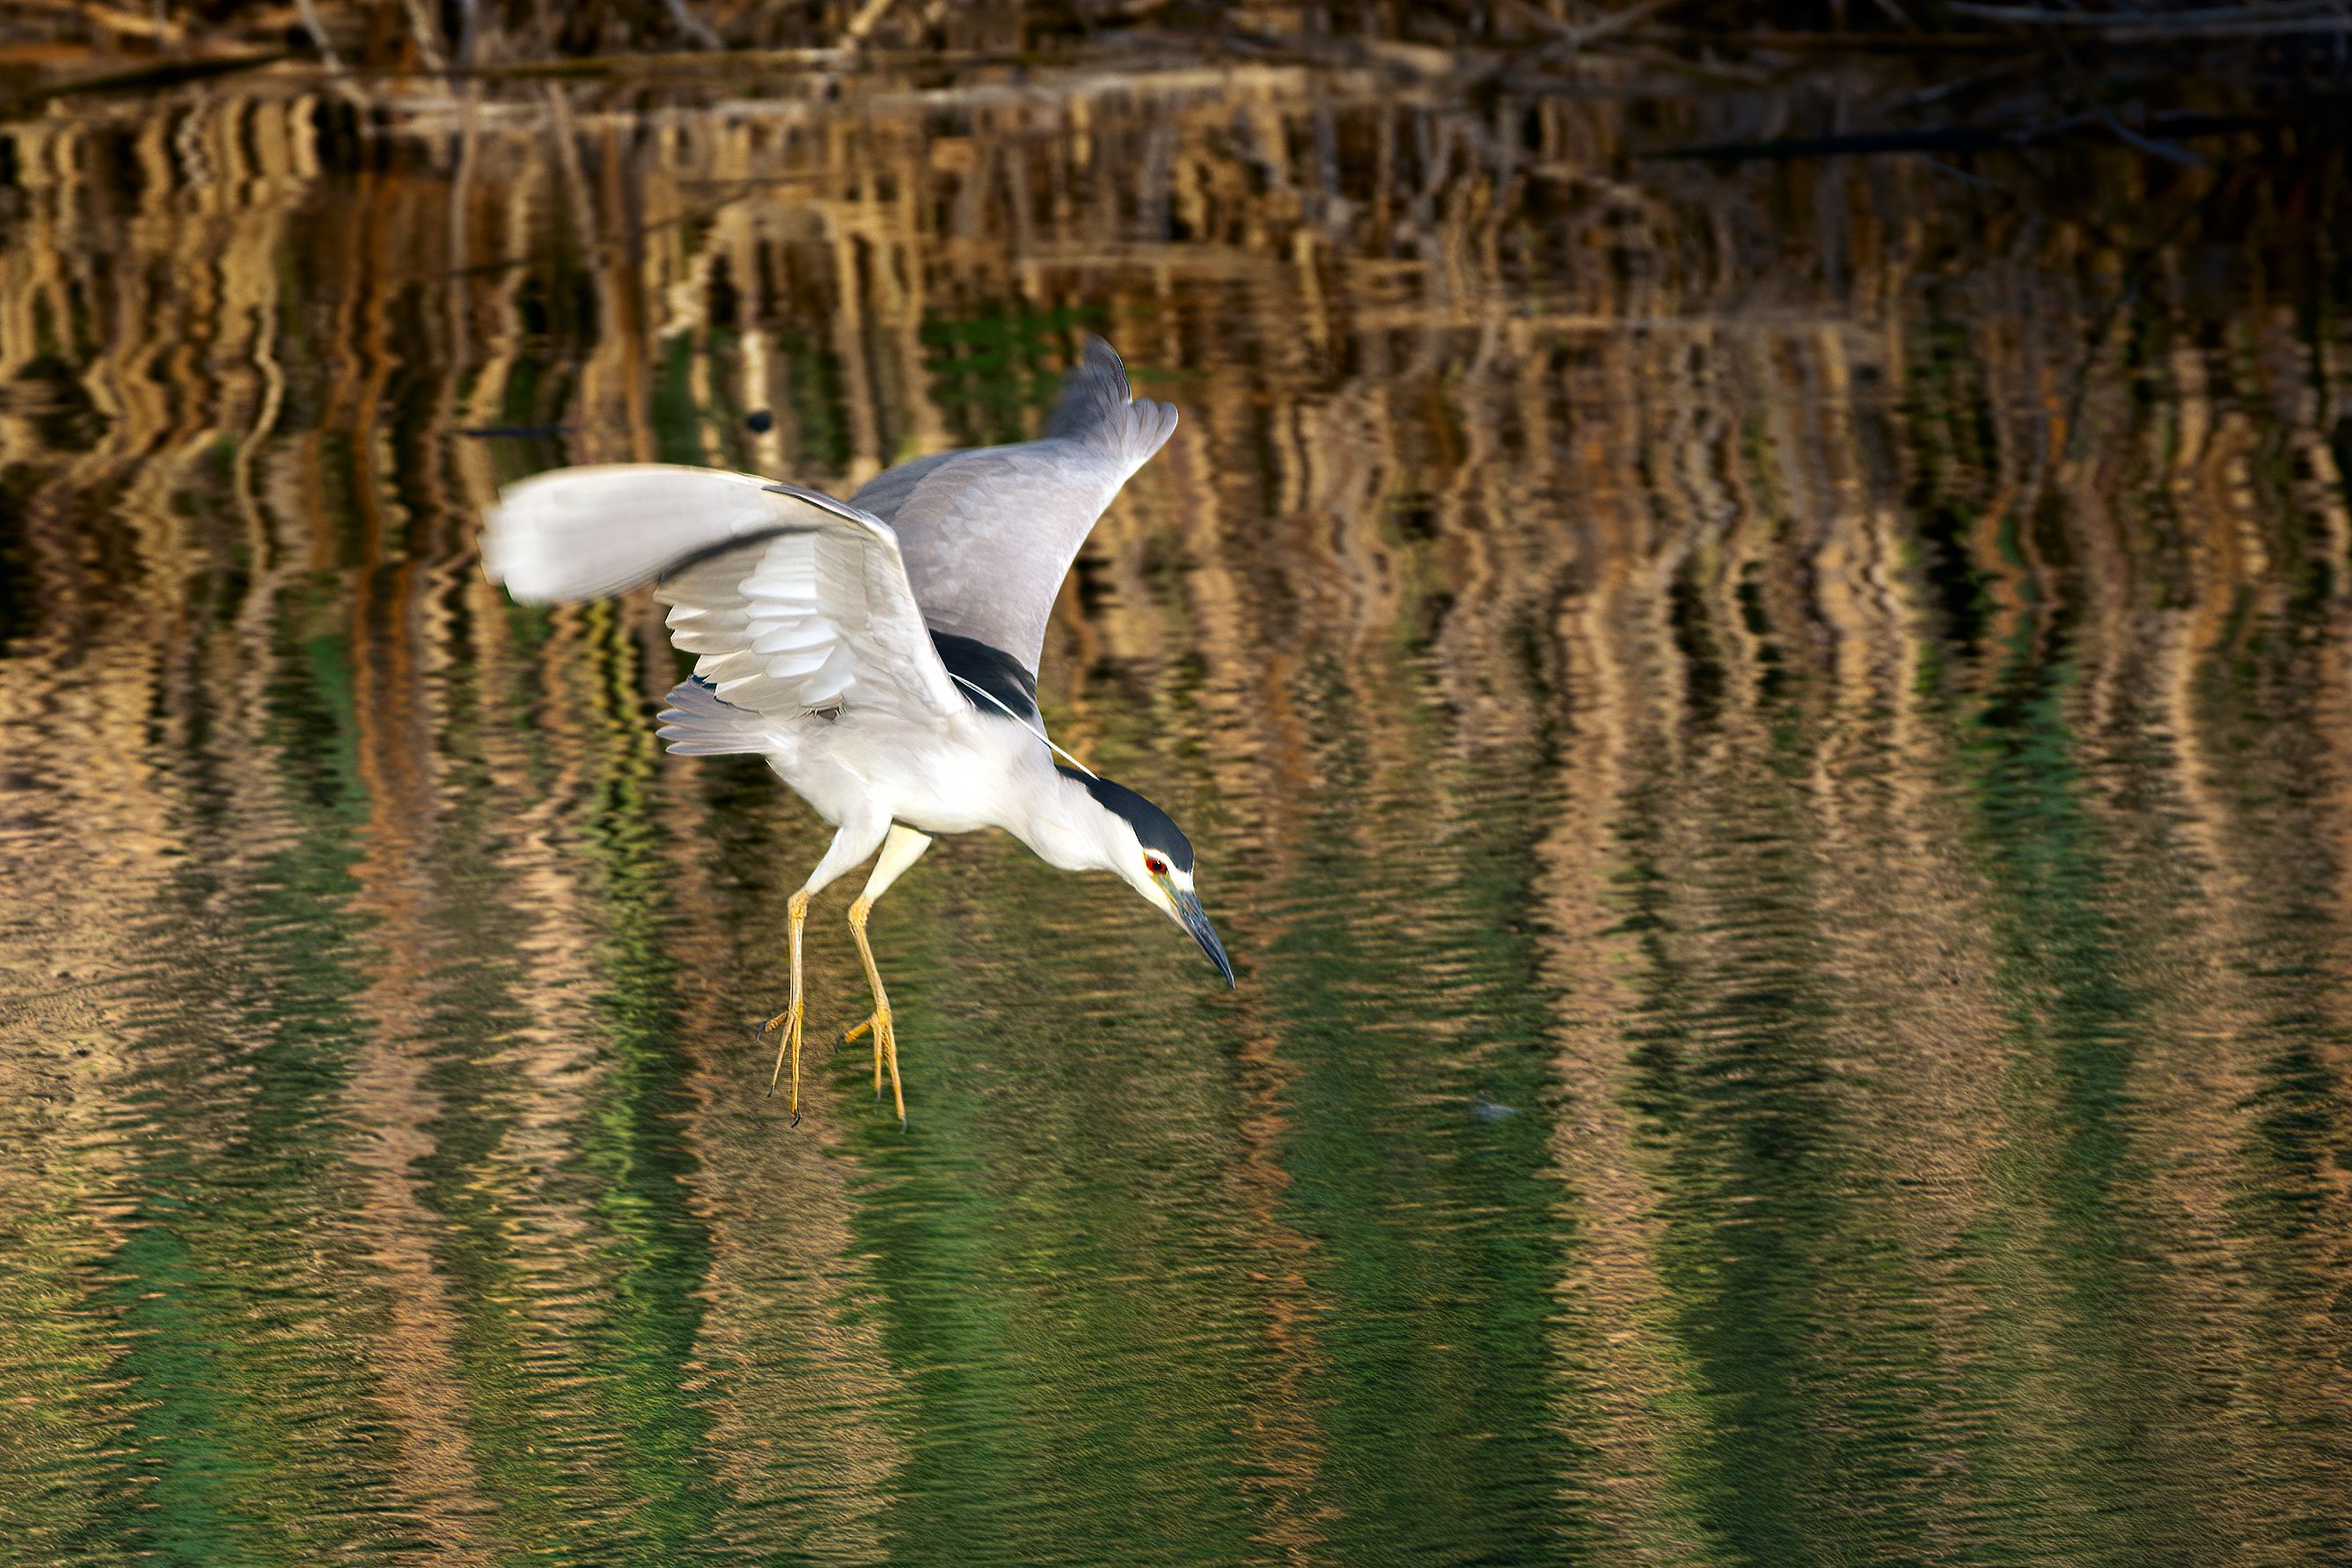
{"points": [[244, 1435], [423, 1204], [1800, 1322]]}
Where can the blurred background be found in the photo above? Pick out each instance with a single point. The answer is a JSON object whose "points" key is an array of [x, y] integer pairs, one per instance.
{"points": [[1748, 613]]}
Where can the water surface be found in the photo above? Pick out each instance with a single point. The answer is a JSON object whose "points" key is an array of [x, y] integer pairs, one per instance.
{"points": [[1772, 742]]}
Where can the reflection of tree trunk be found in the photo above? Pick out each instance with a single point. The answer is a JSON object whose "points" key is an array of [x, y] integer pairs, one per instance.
{"points": [[1626, 1382], [420, 1385]]}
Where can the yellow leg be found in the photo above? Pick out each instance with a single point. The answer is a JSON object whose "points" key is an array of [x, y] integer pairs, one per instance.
{"points": [[789, 1020], [886, 1039]]}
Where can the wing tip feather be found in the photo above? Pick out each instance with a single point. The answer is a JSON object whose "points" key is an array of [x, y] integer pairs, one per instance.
{"points": [[600, 529], [1099, 406]]}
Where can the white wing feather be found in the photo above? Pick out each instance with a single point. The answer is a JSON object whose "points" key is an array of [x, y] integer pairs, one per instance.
{"points": [[789, 600]]}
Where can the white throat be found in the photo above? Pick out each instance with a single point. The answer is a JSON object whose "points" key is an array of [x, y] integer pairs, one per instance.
{"points": [[1067, 827]]}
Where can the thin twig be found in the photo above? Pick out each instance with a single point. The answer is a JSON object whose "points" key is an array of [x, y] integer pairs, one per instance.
{"points": [[692, 25], [162, 74], [318, 39], [1576, 36], [869, 16], [1979, 181], [1973, 138], [2034, 15], [428, 40], [2153, 148], [2233, 22]]}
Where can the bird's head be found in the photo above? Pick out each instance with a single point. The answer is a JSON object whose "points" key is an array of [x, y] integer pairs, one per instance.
{"points": [[1135, 841]]}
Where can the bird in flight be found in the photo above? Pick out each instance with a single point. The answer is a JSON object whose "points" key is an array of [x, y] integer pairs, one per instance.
{"points": [[881, 653]]}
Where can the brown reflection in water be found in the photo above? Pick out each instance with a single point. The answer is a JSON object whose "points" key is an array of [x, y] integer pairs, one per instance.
{"points": [[1623, 1393], [412, 1360], [1907, 685]]}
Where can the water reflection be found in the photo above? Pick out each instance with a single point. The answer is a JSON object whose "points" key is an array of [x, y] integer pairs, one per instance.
{"points": [[1819, 690]]}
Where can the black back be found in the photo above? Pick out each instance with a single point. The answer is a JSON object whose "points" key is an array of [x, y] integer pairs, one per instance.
{"points": [[991, 669]]}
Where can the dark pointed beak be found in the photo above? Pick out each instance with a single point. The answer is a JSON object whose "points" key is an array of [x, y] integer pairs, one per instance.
{"points": [[1188, 911]]}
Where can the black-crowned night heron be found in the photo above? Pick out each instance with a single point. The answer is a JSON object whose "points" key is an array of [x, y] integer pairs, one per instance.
{"points": [[881, 653]]}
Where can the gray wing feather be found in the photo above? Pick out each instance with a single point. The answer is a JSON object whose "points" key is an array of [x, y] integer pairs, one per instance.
{"points": [[988, 534]]}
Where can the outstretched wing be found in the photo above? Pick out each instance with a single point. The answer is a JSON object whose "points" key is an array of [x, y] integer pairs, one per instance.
{"points": [[791, 600], [989, 533]]}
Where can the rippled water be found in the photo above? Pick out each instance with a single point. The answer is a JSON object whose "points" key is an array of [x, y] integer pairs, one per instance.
{"points": [[1773, 744]]}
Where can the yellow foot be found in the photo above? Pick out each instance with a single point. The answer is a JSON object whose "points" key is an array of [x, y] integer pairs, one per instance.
{"points": [[885, 1048], [790, 1021]]}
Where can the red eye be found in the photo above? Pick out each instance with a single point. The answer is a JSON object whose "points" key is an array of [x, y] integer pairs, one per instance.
{"points": [[1155, 865]]}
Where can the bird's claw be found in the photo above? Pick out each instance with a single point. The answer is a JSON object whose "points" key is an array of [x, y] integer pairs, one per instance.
{"points": [[886, 1049], [790, 1021]]}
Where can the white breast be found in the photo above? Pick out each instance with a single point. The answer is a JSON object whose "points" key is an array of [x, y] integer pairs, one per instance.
{"points": [[971, 772]]}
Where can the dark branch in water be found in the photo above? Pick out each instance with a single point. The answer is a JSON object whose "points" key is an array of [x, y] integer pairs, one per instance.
{"points": [[2160, 129]]}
